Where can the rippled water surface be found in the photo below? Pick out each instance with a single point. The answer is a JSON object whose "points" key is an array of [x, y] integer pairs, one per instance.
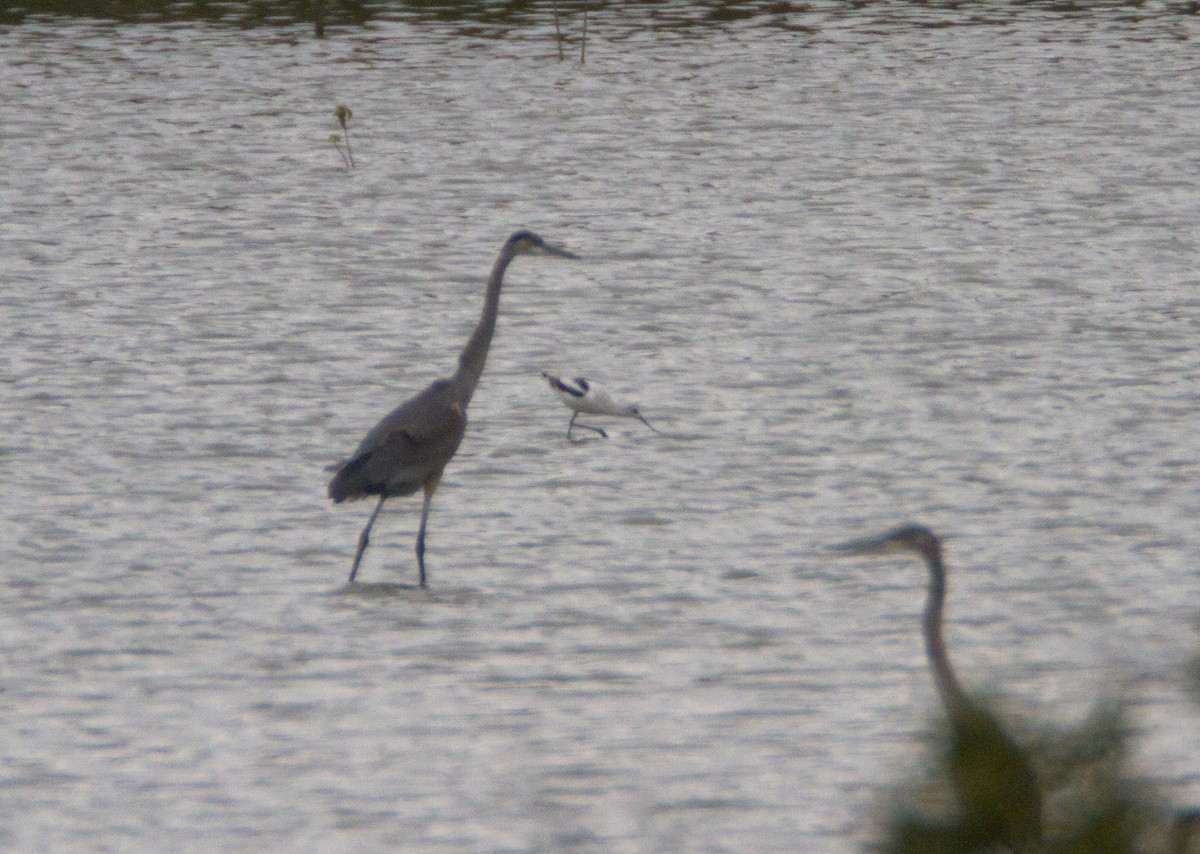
{"points": [[858, 269]]}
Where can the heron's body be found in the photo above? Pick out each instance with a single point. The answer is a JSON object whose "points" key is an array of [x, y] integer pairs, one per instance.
{"points": [[998, 795], [581, 395], [410, 447], [405, 449]]}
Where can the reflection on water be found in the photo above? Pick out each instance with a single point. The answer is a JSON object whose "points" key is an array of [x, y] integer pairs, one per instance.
{"points": [[896, 271]]}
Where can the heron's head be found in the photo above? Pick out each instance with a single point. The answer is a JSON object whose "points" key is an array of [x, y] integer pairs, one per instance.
{"points": [[916, 538], [528, 243]]}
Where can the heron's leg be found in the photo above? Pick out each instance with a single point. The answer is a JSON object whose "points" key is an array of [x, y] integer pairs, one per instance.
{"points": [[430, 486], [364, 538]]}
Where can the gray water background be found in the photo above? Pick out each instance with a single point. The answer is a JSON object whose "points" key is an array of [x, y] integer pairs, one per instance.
{"points": [[861, 266]]}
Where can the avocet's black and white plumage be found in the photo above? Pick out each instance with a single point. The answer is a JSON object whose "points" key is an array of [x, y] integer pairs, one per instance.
{"points": [[583, 395]]}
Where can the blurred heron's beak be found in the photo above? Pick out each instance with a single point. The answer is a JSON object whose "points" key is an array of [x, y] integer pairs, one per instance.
{"points": [[648, 424], [558, 253], [867, 546]]}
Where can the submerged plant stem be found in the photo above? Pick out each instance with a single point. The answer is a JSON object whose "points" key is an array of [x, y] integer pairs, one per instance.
{"points": [[344, 114]]}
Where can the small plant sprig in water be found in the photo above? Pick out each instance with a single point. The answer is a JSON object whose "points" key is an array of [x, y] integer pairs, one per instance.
{"points": [[344, 114], [558, 36], [583, 41]]}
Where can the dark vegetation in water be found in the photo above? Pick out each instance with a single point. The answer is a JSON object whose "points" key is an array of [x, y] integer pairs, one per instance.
{"points": [[1091, 802], [344, 114], [321, 14], [1065, 791]]}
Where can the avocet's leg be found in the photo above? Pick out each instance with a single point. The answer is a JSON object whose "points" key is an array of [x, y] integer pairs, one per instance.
{"points": [[572, 425]]}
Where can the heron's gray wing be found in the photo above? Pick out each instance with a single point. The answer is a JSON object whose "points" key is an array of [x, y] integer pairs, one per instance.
{"points": [[407, 447]]}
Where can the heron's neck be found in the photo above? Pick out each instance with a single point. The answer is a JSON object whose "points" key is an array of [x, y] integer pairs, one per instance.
{"points": [[948, 686], [474, 355]]}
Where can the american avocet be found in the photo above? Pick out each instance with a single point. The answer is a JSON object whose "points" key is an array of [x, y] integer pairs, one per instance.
{"points": [[410, 447], [583, 395]]}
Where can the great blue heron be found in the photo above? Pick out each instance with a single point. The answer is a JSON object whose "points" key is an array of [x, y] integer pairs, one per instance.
{"points": [[998, 794], [583, 395], [410, 447]]}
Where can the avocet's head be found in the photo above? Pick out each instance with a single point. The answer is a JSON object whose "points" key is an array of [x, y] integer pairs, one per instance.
{"points": [[916, 538], [528, 243], [634, 412]]}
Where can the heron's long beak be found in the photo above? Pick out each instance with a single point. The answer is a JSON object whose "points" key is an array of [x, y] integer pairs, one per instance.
{"points": [[558, 253], [868, 546], [648, 424]]}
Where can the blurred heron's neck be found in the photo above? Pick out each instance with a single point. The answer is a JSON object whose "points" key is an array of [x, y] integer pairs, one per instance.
{"points": [[474, 355], [948, 686]]}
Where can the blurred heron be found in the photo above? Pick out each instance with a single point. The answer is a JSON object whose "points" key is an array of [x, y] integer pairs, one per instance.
{"points": [[998, 794], [410, 447]]}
